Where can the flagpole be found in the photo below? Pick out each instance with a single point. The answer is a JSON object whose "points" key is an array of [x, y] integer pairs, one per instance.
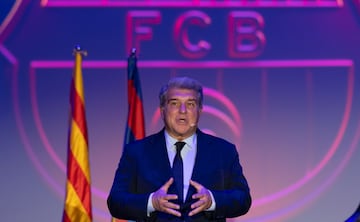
{"points": [[77, 206], [78, 49], [135, 126], [133, 52]]}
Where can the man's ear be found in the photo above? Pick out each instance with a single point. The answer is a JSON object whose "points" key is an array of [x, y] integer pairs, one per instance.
{"points": [[200, 110], [162, 112]]}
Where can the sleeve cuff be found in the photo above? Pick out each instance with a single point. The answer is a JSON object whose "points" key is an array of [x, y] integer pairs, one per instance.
{"points": [[213, 204], [150, 207]]}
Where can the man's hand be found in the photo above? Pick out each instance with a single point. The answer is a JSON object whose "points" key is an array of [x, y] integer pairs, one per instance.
{"points": [[204, 197], [160, 200]]}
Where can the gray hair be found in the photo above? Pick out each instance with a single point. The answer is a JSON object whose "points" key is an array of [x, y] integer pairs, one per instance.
{"points": [[181, 83]]}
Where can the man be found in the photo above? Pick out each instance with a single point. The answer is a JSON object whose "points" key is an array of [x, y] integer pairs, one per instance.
{"points": [[355, 217], [213, 187]]}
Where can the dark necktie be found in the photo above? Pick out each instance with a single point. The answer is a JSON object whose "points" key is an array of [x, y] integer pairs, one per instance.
{"points": [[178, 170]]}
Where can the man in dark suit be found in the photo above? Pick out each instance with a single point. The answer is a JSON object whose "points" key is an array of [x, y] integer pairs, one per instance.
{"points": [[355, 217], [213, 186]]}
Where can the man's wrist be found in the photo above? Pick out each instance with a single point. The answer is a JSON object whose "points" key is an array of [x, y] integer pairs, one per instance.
{"points": [[213, 204], [150, 207]]}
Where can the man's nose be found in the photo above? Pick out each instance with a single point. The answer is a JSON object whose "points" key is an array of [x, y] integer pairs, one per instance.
{"points": [[183, 107]]}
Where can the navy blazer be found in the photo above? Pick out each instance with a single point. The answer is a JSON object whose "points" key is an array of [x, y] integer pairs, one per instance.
{"points": [[144, 167]]}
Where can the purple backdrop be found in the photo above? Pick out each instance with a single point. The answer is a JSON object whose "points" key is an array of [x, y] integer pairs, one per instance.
{"points": [[281, 82]]}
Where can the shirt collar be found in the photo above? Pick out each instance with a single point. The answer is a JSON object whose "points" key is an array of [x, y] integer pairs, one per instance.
{"points": [[190, 141]]}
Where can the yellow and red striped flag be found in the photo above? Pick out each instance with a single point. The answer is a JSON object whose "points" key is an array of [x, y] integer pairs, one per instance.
{"points": [[77, 206]]}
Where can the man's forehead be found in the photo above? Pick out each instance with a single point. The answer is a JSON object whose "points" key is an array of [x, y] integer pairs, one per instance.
{"points": [[181, 93]]}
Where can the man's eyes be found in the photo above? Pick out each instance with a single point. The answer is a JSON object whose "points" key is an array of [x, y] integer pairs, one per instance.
{"points": [[191, 104], [177, 104], [174, 103]]}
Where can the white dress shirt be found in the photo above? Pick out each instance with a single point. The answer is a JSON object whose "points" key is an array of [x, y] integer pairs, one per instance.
{"points": [[188, 154]]}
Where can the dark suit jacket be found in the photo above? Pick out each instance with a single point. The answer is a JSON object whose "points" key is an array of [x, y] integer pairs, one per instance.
{"points": [[144, 167]]}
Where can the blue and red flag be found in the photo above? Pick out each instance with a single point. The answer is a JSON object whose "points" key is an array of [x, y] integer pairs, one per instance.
{"points": [[135, 127]]}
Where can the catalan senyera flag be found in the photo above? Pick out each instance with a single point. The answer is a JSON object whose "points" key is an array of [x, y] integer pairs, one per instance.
{"points": [[135, 128], [77, 207]]}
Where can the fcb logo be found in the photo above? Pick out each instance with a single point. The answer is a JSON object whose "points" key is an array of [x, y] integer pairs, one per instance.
{"points": [[223, 112]]}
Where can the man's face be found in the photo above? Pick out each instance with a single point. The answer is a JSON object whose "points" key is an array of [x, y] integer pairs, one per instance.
{"points": [[181, 112]]}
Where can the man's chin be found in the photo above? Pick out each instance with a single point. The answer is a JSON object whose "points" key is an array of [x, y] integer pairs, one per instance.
{"points": [[185, 132]]}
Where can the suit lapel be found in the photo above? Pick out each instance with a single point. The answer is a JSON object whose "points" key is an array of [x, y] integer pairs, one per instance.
{"points": [[201, 161], [159, 154]]}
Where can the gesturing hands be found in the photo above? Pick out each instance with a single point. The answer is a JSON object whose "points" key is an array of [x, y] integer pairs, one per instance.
{"points": [[160, 200], [204, 198]]}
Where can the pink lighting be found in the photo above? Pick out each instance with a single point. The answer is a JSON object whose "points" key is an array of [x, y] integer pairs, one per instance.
{"points": [[199, 64], [231, 118], [195, 3], [280, 82]]}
